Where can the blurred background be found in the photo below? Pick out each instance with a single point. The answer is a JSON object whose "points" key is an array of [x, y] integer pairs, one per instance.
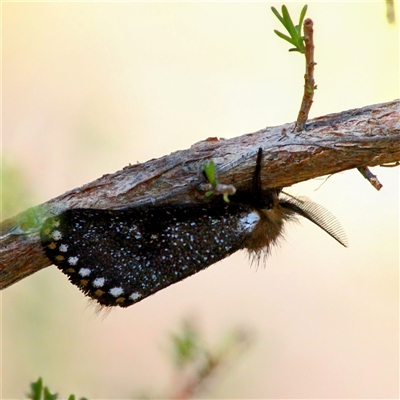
{"points": [[91, 87]]}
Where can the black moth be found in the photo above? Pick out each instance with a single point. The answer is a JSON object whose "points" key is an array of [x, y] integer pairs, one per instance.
{"points": [[119, 257]]}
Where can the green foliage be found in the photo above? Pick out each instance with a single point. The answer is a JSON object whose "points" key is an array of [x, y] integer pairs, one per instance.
{"points": [[195, 363], [38, 392], [296, 38], [209, 170], [185, 345]]}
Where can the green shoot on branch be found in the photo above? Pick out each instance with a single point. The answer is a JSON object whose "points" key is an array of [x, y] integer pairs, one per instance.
{"points": [[209, 170], [296, 38], [225, 190]]}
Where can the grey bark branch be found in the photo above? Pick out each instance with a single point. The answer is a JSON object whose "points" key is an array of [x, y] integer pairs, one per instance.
{"points": [[367, 136]]}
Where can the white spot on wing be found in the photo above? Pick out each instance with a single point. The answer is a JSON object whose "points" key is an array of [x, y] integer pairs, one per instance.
{"points": [[56, 235], [63, 248], [84, 271], [98, 282], [73, 260], [249, 221], [116, 291], [134, 296]]}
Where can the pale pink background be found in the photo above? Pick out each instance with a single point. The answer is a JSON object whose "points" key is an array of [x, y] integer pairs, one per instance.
{"points": [[91, 87]]}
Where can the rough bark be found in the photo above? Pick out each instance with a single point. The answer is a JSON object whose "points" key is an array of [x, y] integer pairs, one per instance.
{"points": [[366, 136]]}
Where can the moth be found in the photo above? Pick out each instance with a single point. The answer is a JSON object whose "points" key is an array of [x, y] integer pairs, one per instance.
{"points": [[120, 257]]}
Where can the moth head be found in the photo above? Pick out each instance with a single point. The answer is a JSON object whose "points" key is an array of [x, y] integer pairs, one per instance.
{"points": [[281, 208]]}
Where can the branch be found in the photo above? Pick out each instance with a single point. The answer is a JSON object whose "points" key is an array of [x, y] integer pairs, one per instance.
{"points": [[356, 138]]}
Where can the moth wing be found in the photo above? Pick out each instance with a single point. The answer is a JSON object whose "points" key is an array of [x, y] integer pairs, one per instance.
{"points": [[119, 257]]}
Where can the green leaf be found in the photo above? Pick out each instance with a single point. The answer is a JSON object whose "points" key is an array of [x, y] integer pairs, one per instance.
{"points": [[36, 390], [283, 36], [288, 22], [302, 15], [209, 169], [49, 396], [277, 15]]}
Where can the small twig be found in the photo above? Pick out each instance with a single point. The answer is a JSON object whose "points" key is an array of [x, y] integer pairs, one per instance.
{"points": [[391, 165], [373, 180], [309, 84], [218, 188], [323, 182], [390, 13]]}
